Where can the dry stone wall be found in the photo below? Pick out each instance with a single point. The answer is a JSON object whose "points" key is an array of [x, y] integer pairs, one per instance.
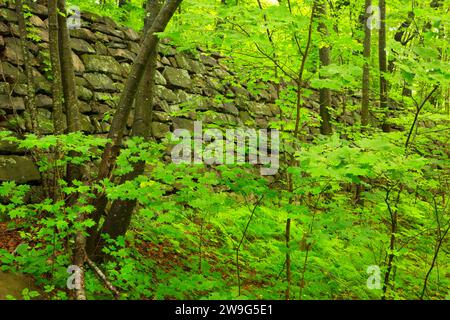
{"points": [[189, 87]]}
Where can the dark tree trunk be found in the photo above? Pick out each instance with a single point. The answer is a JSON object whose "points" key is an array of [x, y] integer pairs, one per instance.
{"points": [[366, 68], [67, 71], [119, 217], [74, 172], [30, 103], [57, 91], [383, 67], [118, 125], [61, 94], [324, 53]]}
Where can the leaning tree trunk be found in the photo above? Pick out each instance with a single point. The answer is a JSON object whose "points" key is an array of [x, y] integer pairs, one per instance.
{"points": [[118, 125], [119, 216], [366, 69], [324, 53]]}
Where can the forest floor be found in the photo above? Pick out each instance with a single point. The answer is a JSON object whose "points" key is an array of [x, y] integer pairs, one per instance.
{"points": [[13, 284], [9, 239]]}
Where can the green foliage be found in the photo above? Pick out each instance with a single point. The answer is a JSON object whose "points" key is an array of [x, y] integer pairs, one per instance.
{"points": [[353, 199]]}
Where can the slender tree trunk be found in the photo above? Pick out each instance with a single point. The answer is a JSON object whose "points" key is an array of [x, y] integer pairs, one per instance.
{"points": [[118, 125], [288, 259], [392, 244], [30, 103], [366, 68], [324, 54], [67, 71], [383, 66], [299, 83], [57, 91], [74, 172]]}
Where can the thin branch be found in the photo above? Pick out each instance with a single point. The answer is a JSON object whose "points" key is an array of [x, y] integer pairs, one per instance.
{"points": [[416, 116], [102, 276]]}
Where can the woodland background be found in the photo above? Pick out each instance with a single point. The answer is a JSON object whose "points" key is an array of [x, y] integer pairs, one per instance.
{"points": [[362, 104]]}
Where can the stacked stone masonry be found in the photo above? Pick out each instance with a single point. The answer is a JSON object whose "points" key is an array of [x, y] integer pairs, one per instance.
{"points": [[189, 86]]}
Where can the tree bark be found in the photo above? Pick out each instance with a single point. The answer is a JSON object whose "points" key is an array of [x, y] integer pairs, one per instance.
{"points": [[325, 60], [74, 172], [366, 69], [67, 71], [119, 217], [30, 103], [382, 54], [126, 100], [57, 91], [118, 125]]}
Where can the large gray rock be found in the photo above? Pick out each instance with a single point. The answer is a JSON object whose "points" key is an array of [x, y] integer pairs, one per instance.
{"points": [[43, 101], [161, 116], [43, 34], [130, 34], [11, 73], [177, 77], [216, 118], [37, 22], [45, 121], [20, 89], [81, 46], [85, 124], [168, 108], [38, 9], [182, 123], [104, 64], [166, 50], [230, 108], [107, 29], [160, 130], [220, 73], [122, 55], [84, 107], [5, 88], [8, 147], [259, 109], [19, 169], [11, 103], [78, 66], [13, 51], [208, 61], [100, 82], [165, 94], [13, 284], [83, 33], [84, 93], [8, 15], [189, 64], [4, 30], [159, 79], [42, 85]]}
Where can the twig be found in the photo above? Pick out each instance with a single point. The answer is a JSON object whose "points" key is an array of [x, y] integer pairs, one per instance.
{"points": [[238, 248], [102, 276], [416, 116]]}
